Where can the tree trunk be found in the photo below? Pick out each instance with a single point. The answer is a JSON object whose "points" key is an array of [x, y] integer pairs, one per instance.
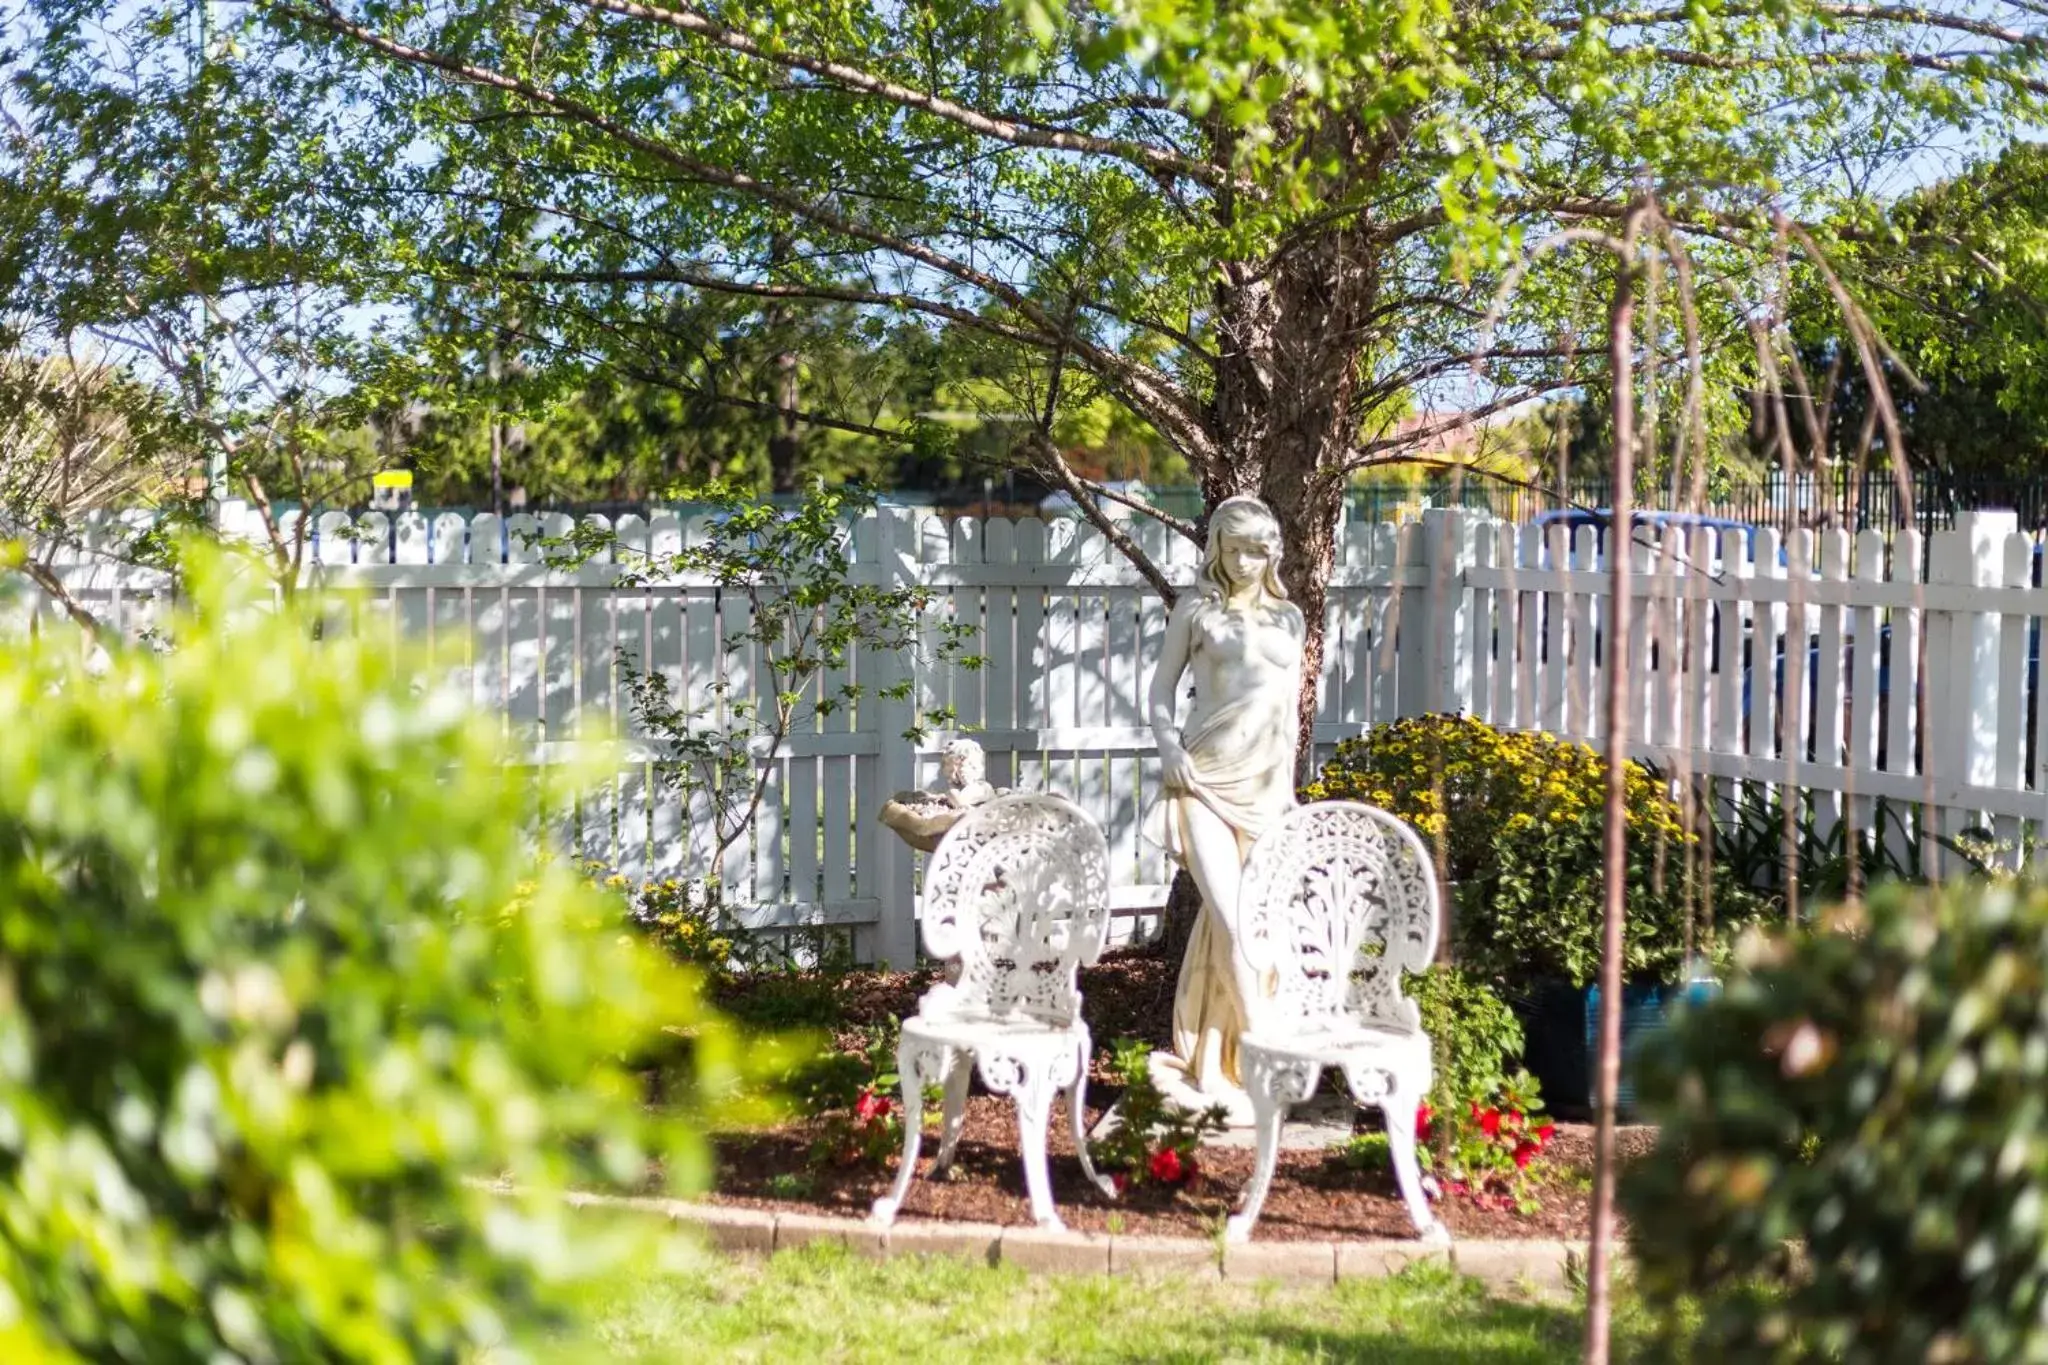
{"points": [[1177, 921], [1286, 413], [783, 447]]}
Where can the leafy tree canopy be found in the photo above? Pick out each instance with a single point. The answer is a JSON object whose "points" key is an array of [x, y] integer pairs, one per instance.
{"points": [[1958, 286], [1270, 232]]}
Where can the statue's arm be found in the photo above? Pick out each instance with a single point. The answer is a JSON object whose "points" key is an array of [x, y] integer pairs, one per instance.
{"points": [[1297, 626], [1165, 694]]}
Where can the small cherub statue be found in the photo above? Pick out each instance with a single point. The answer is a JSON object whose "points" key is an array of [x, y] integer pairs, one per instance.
{"points": [[921, 818], [966, 771]]}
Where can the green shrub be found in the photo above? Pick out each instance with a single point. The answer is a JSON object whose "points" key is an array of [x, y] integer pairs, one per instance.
{"points": [[1477, 1037], [1750, 847], [1153, 1141], [676, 920], [1865, 1103], [1481, 1149], [281, 985], [1485, 1109], [1517, 819], [857, 1098]]}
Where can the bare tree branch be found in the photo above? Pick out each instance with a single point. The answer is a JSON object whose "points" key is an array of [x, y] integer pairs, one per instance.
{"points": [[1373, 453], [1955, 64], [1900, 14], [826, 293], [1049, 459], [1163, 517]]}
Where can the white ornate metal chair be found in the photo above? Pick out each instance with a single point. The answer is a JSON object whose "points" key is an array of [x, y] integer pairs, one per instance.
{"points": [[1338, 900], [1018, 893]]}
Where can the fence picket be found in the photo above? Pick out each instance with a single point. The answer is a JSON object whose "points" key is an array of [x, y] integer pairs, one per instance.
{"points": [[1806, 672], [1865, 705], [2012, 737]]}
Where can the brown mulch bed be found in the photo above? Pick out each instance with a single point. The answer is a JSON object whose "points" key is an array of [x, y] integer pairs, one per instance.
{"points": [[1128, 995], [1314, 1197]]}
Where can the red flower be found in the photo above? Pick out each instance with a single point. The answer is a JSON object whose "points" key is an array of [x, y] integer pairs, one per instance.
{"points": [[1515, 1119], [1489, 1123], [1545, 1133], [1121, 1181], [1166, 1165], [1525, 1152], [870, 1107], [1422, 1118]]}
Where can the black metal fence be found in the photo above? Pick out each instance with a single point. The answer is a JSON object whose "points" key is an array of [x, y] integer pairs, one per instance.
{"points": [[1837, 498], [1831, 499]]}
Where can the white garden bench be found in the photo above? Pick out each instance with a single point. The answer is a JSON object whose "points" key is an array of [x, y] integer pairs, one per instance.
{"points": [[1018, 893], [1338, 900]]}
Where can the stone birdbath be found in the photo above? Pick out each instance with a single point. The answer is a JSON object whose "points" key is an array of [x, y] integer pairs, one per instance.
{"points": [[921, 818]]}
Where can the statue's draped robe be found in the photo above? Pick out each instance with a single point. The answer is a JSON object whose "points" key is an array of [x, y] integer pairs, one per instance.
{"points": [[1237, 776]]}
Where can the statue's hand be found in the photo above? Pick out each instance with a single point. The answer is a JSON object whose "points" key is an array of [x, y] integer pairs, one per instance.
{"points": [[1175, 769]]}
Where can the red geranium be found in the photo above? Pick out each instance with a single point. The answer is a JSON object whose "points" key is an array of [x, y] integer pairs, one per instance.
{"points": [[1166, 1165], [1525, 1152], [870, 1107], [1546, 1132], [1422, 1118], [1489, 1123]]}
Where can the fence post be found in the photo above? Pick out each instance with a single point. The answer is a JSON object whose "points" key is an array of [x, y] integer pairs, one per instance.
{"points": [[1448, 540], [887, 857], [1962, 662]]}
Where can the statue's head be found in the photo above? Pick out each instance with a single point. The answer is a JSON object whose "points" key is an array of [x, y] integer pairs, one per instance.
{"points": [[963, 763], [1244, 541]]}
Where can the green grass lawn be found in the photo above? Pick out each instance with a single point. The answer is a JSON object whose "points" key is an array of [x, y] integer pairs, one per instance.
{"points": [[820, 1304]]}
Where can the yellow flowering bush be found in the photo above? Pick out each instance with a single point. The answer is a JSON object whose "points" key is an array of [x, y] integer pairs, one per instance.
{"points": [[1516, 819], [687, 926]]}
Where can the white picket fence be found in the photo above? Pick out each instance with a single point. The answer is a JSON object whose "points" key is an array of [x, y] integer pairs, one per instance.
{"points": [[1454, 613]]}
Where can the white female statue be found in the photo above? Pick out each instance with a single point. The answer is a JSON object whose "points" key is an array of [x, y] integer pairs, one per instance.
{"points": [[1229, 773]]}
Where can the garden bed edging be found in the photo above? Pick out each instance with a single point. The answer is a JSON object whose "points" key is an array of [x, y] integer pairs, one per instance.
{"points": [[1542, 1266]]}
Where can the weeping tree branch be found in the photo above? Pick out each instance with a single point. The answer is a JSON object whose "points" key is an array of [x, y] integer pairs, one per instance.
{"points": [[1614, 850]]}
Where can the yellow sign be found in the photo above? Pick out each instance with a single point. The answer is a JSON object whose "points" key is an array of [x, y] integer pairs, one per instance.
{"points": [[392, 478]]}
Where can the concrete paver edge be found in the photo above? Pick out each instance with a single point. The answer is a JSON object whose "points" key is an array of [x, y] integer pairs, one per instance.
{"points": [[1542, 1264]]}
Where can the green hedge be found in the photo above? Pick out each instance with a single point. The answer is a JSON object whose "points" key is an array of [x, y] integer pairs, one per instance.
{"points": [[280, 982], [1853, 1163]]}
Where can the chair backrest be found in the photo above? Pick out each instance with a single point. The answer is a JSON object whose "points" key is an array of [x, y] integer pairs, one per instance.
{"points": [[1338, 899], [1018, 891]]}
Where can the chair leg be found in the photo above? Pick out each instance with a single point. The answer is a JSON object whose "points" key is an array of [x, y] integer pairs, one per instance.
{"points": [[959, 1071], [1400, 1109], [1077, 1110], [1034, 1113], [1273, 1085], [912, 1065]]}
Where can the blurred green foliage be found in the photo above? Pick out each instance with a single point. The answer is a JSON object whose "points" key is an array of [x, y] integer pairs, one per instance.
{"points": [[1853, 1162], [284, 988]]}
